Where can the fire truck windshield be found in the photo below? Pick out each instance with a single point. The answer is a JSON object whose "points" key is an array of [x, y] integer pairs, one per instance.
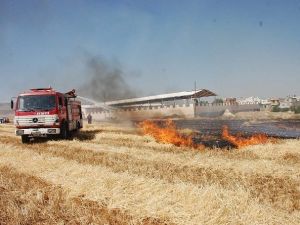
{"points": [[36, 102]]}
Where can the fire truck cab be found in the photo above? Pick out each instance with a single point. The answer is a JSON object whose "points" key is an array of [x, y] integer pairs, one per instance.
{"points": [[44, 112]]}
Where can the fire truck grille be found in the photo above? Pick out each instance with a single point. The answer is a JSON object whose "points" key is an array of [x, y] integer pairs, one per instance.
{"points": [[35, 120]]}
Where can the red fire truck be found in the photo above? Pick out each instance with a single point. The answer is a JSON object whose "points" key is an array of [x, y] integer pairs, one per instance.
{"points": [[44, 112]]}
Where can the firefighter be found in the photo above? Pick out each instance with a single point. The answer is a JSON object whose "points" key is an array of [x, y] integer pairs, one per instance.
{"points": [[89, 118]]}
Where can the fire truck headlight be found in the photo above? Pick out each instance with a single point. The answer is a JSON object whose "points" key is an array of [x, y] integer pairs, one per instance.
{"points": [[56, 120]]}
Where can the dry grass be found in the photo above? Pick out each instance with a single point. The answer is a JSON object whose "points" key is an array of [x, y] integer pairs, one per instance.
{"points": [[184, 170], [25, 199], [140, 181]]}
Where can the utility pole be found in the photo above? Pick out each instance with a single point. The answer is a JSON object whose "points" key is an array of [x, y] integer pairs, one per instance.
{"points": [[195, 85]]}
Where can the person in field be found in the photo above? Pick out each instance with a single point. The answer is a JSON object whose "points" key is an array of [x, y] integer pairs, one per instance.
{"points": [[89, 118]]}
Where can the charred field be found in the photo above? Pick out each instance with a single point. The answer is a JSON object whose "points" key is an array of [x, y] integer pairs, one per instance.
{"points": [[283, 128], [209, 131], [115, 173]]}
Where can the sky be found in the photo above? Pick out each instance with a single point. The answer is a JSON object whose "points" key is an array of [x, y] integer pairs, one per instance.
{"points": [[236, 48]]}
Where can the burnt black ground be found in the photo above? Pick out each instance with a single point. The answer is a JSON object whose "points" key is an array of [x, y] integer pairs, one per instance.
{"points": [[213, 127], [209, 131]]}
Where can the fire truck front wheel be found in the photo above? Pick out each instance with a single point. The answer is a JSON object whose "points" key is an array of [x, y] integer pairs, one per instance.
{"points": [[25, 139], [64, 132]]}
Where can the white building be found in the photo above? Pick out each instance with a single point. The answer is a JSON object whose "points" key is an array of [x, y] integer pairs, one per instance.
{"points": [[249, 100]]}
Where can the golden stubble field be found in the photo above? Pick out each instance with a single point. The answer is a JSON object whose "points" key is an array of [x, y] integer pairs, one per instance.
{"points": [[110, 174]]}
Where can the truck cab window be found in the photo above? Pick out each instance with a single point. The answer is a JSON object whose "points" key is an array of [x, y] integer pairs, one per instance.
{"points": [[35, 102]]}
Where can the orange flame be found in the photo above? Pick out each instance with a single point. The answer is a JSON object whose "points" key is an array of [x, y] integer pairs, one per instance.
{"points": [[240, 142], [168, 134]]}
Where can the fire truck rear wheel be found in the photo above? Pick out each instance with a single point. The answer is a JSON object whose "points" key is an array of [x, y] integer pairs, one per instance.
{"points": [[25, 139]]}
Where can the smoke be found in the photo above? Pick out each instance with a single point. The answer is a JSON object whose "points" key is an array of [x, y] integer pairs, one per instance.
{"points": [[104, 80]]}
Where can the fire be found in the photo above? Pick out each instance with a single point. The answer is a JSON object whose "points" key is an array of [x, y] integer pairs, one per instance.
{"points": [[240, 142], [168, 133]]}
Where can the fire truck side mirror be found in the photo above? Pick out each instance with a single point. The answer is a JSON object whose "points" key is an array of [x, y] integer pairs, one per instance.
{"points": [[12, 104]]}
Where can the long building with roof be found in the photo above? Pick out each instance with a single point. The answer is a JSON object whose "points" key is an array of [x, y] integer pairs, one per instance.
{"points": [[187, 104], [160, 99]]}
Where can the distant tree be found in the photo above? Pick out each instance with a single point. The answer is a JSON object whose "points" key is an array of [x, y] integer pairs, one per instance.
{"points": [[275, 108], [296, 109], [218, 101], [285, 110], [278, 109], [203, 102]]}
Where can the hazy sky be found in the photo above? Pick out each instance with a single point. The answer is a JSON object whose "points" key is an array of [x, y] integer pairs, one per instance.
{"points": [[235, 48]]}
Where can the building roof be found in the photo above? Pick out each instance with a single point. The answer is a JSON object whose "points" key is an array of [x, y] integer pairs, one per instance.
{"points": [[163, 97]]}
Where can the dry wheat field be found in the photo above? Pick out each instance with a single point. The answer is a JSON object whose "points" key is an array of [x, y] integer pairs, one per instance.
{"points": [[111, 174]]}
